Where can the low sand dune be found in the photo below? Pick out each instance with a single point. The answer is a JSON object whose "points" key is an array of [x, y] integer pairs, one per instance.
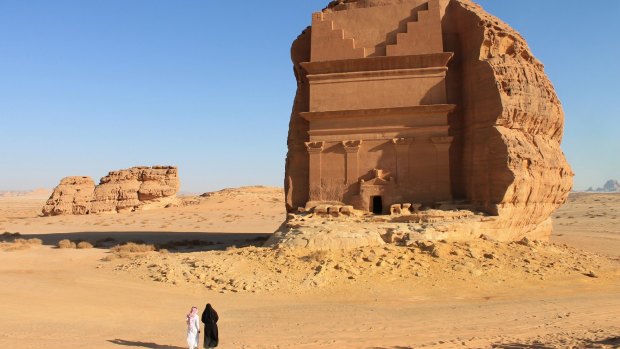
{"points": [[476, 295]]}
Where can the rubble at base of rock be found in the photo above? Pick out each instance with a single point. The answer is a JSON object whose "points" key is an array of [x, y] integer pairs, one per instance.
{"points": [[427, 264], [333, 227]]}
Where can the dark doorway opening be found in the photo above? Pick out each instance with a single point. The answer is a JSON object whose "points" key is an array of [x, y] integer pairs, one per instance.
{"points": [[377, 205]]}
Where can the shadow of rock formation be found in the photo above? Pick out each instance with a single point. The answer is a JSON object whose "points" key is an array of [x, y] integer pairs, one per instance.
{"points": [[143, 344]]}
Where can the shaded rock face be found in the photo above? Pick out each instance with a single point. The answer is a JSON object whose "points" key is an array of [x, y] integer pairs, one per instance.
{"points": [[506, 127], [123, 190]]}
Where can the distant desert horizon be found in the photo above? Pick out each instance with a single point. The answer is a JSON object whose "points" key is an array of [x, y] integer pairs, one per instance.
{"points": [[41, 191]]}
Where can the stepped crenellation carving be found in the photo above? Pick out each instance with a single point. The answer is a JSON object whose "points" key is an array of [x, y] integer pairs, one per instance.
{"points": [[332, 43]]}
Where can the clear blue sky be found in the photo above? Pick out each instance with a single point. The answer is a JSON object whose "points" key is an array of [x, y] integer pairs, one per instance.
{"points": [[92, 86]]}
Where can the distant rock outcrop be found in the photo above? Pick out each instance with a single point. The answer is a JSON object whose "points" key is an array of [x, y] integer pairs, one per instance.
{"points": [[131, 188], [611, 186], [22, 193], [72, 196], [124, 190]]}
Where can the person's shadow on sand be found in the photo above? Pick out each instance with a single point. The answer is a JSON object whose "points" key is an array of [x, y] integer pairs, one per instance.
{"points": [[143, 344]]}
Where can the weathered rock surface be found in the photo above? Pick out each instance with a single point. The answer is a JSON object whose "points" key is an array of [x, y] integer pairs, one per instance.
{"points": [[511, 126], [72, 196], [124, 190], [323, 236], [132, 188], [505, 158]]}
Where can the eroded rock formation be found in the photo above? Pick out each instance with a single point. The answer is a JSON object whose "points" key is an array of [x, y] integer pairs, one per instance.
{"points": [[72, 196], [124, 190], [132, 188], [376, 60]]}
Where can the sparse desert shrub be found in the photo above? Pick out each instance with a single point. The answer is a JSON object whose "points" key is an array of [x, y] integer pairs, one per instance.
{"points": [[35, 241], [66, 243], [317, 256], [84, 245], [13, 246], [19, 244], [132, 247]]}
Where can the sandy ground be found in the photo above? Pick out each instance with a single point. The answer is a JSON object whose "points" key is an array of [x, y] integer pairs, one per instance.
{"points": [[482, 295], [590, 221]]}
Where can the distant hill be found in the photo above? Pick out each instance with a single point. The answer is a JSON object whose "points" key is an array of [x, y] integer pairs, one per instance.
{"points": [[611, 186], [16, 193]]}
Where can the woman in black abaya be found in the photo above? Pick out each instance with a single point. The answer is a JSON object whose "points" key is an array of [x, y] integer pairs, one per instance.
{"points": [[209, 318]]}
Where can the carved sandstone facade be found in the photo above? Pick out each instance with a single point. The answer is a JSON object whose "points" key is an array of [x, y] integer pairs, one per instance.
{"points": [[424, 101]]}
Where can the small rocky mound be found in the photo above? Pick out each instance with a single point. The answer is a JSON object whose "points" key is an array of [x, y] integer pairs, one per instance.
{"points": [[247, 191], [124, 190]]}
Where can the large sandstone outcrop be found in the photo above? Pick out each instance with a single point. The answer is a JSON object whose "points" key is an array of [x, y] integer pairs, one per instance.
{"points": [[124, 190], [132, 188], [506, 127], [72, 196]]}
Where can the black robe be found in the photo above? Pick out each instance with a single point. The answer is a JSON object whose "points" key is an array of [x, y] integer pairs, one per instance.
{"points": [[209, 318]]}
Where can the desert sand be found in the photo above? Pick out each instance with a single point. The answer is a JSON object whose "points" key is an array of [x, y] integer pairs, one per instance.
{"points": [[563, 294]]}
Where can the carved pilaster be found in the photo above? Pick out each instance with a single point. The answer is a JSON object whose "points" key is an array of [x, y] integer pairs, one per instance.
{"points": [[314, 174], [402, 158], [352, 150], [443, 187], [314, 147]]}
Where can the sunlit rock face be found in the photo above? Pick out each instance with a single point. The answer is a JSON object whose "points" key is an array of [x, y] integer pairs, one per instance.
{"points": [[72, 196], [131, 188], [123, 190], [427, 102]]}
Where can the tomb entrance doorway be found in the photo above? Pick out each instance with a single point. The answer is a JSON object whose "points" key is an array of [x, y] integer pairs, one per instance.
{"points": [[377, 204]]}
